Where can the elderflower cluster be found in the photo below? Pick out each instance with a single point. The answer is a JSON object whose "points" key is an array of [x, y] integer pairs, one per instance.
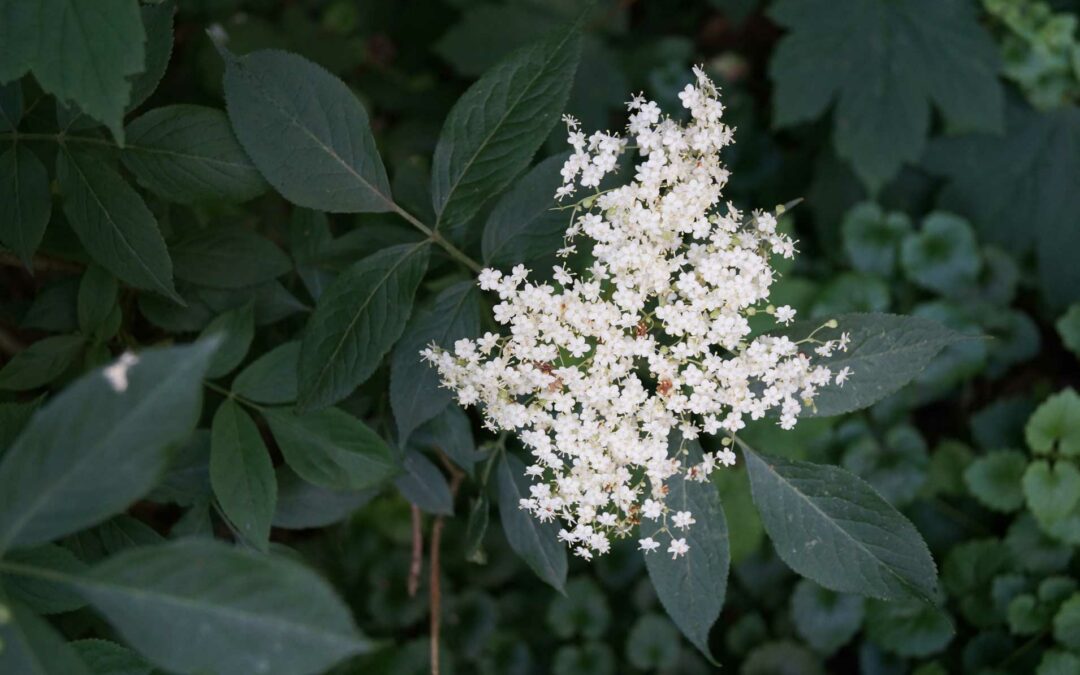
{"points": [[597, 370]]}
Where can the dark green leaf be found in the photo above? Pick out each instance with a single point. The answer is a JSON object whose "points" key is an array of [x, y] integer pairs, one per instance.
{"points": [[424, 485], [885, 353], [32, 646], [306, 132], [908, 627], [124, 418], [19, 22], [228, 257], [1055, 425], [356, 322], [40, 595], [415, 392], [25, 201], [108, 658], [41, 363], [494, 129], [97, 300], [157, 21], [884, 63], [943, 256], [451, 432], [536, 542], [187, 153], [242, 474], [13, 418], [246, 612], [524, 226], [995, 478], [333, 449], [826, 620], [113, 223], [476, 528], [831, 527], [235, 329], [692, 586], [271, 378], [302, 505], [11, 104]]}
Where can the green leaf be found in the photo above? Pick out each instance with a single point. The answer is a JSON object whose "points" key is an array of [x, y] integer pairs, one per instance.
{"points": [[97, 300], [1052, 490], [416, 394], [306, 132], [301, 505], [271, 378], [1068, 328], [11, 104], [19, 23], [25, 201], [100, 444], [1056, 424], [31, 645], [85, 53], [495, 128], [13, 418], [994, 479], [908, 628], [157, 21], [333, 449], [242, 474], [108, 658], [943, 256], [476, 528], [653, 643], [246, 612], [1067, 624], [825, 620], [424, 485], [785, 657], [1055, 662], [309, 239], [356, 322], [113, 223], [187, 154], [885, 353], [831, 527], [235, 329], [692, 587], [884, 63], [41, 595], [228, 257], [872, 238], [536, 542], [451, 432], [524, 228], [41, 363], [1019, 191]]}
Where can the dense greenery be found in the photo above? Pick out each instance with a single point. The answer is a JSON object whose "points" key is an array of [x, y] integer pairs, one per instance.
{"points": [[275, 205]]}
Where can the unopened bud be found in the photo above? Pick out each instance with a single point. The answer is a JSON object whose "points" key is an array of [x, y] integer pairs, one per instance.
{"points": [[831, 323]]}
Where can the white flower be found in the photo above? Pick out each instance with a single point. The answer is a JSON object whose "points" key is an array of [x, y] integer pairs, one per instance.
{"points": [[117, 373], [678, 547], [647, 544], [843, 375], [597, 368]]}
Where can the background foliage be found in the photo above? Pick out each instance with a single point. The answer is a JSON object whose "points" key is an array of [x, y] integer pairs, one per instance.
{"points": [[154, 169]]}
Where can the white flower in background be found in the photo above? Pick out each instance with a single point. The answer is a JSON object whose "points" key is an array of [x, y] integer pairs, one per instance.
{"points": [[598, 367]]}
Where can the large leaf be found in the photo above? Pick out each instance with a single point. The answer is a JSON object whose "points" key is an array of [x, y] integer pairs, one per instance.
{"points": [[187, 153], [271, 378], [113, 223], [357, 320], [830, 526], [229, 257], [199, 606], [525, 226], [100, 444], [242, 474], [85, 53], [31, 646], [25, 201], [537, 543], [302, 505], [45, 596], [306, 132], [333, 449], [691, 587], [41, 363], [885, 353], [494, 129], [884, 63], [1019, 190], [415, 392], [19, 35]]}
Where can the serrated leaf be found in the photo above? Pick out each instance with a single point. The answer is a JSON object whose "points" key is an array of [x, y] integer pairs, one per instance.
{"points": [[356, 322], [242, 474], [333, 449], [113, 223], [495, 128], [424, 485], [302, 505], [235, 330], [1052, 490], [306, 132], [884, 63], [826, 620], [25, 201], [248, 613], [943, 255], [188, 154], [535, 542], [86, 52], [32, 646], [416, 394], [830, 526], [125, 418], [1055, 424], [157, 21], [908, 628], [872, 238], [41, 363], [271, 378], [885, 353], [525, 227], [228, 257], [692, 587], [995, 478]]}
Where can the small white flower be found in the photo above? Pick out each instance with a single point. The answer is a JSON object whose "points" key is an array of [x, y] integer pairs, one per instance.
{"points": [[652, 509], [843, 375], [678, 547], [683, 520], [648, 544], [842, 343], [785, 314], [117, 373]]}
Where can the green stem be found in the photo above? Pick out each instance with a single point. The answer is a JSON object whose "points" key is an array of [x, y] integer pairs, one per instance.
{"points": [[228, 393]]}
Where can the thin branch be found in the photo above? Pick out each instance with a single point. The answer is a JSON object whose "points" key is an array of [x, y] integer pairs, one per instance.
{"points": [[436, 536], [417, 564]]}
